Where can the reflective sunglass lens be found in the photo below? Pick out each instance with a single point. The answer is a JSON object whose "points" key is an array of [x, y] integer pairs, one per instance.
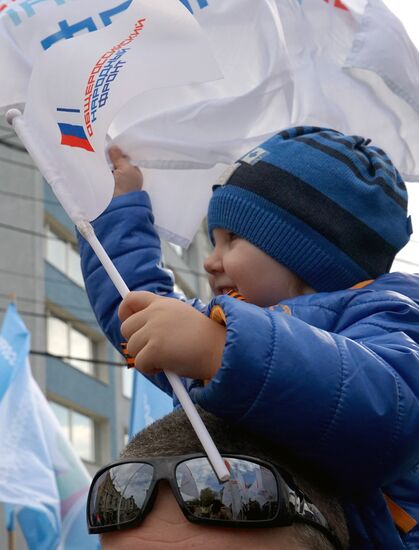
{"points": [[250, 495], [119, 494]]}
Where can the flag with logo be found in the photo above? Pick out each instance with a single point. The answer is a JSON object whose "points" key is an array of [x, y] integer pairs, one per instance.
{"points": [[28, 28], [42, 480], [347, 64], [343, 64], [70, 104], [148, 404]]}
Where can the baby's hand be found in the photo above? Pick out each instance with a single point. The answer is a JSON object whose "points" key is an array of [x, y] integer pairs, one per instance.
{"points": [[164, 333], [127, 177]]}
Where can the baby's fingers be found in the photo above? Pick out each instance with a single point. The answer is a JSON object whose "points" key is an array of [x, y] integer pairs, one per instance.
{"points": [[134, 323], [118, 158], [135, 301], [147, 359], [137, 341]]}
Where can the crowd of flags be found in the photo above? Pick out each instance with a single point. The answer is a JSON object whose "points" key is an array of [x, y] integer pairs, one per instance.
{"points": [[42, 481]]}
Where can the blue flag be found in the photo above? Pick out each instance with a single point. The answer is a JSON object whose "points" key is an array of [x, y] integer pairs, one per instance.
{"points": [[41, 478], [147, 405], [14, 348], [9, 517]]}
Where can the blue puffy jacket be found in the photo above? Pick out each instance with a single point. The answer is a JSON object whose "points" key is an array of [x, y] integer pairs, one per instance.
{"points": [[333, 377]]}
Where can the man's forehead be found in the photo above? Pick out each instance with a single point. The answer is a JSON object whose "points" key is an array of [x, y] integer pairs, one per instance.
{"points": [[166, 527]]}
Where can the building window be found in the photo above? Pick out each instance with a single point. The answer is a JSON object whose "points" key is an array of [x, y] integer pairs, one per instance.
{"points": [[79, 430], [62, 254], [127, 382], [65, 340]]}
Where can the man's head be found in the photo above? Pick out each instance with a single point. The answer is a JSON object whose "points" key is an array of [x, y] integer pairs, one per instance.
{"points": [[165, 526], [330, 208]]}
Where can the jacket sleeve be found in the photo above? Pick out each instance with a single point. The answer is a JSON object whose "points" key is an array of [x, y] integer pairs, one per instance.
{"points": [[126, 230], [348, 406]]}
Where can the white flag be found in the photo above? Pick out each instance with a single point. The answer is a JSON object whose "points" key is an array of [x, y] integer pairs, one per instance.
{"points": [[264, 488], [234, 492], [30, 27], [78, 86], [343, 64], [356, 71], [232, 497], [188, 485], [188, 138]]}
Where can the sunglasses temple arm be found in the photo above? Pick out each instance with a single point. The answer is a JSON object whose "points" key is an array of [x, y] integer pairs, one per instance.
{"points": [[320, 523], [86, 229]]}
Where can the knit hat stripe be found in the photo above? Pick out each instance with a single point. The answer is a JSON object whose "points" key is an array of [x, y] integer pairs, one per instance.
{"points": [[352, 166], [296, 131], [366, 202], [281, 235], [355, 146], [376, 161], [317, 210]]}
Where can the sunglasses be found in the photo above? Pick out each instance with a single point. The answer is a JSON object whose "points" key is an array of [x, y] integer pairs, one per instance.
{"points": [[258, 494]]}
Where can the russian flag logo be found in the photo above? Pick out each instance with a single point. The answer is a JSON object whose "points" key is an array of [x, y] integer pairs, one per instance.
{"points": [[73, 135]]}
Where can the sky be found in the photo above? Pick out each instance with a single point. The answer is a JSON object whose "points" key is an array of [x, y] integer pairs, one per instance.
{"points": [[408, 12]]}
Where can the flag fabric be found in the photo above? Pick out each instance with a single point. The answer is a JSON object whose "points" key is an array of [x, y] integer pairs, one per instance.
{"points": [[28, 28], [345, 64], [9, 517], [357, 73], [234, 492], [148, 404], [77, 88], [188, 485], [42, 481], [264, 488], [14, 349], [348, 65], [232, 497]]}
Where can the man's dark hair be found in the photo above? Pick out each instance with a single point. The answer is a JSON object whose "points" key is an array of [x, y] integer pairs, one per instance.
{"points": [[174, 435]]}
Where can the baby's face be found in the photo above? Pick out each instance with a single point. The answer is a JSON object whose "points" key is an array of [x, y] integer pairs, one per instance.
{"points": [[237, 264]]}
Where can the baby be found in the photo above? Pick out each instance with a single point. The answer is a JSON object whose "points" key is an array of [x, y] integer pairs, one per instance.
{"points": [[322, 354]]}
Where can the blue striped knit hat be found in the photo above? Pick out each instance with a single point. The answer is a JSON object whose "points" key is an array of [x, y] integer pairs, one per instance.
{"points": [[330, 207]]}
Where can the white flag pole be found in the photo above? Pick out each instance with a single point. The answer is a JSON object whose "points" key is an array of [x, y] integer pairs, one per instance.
{"points": [[14, 118]]}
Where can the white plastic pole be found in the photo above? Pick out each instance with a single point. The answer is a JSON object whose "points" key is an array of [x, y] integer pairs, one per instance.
{"points": [[14, 117]]}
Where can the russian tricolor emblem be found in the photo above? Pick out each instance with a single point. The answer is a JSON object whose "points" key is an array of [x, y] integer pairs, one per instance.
{"points": [[73, 135]]}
